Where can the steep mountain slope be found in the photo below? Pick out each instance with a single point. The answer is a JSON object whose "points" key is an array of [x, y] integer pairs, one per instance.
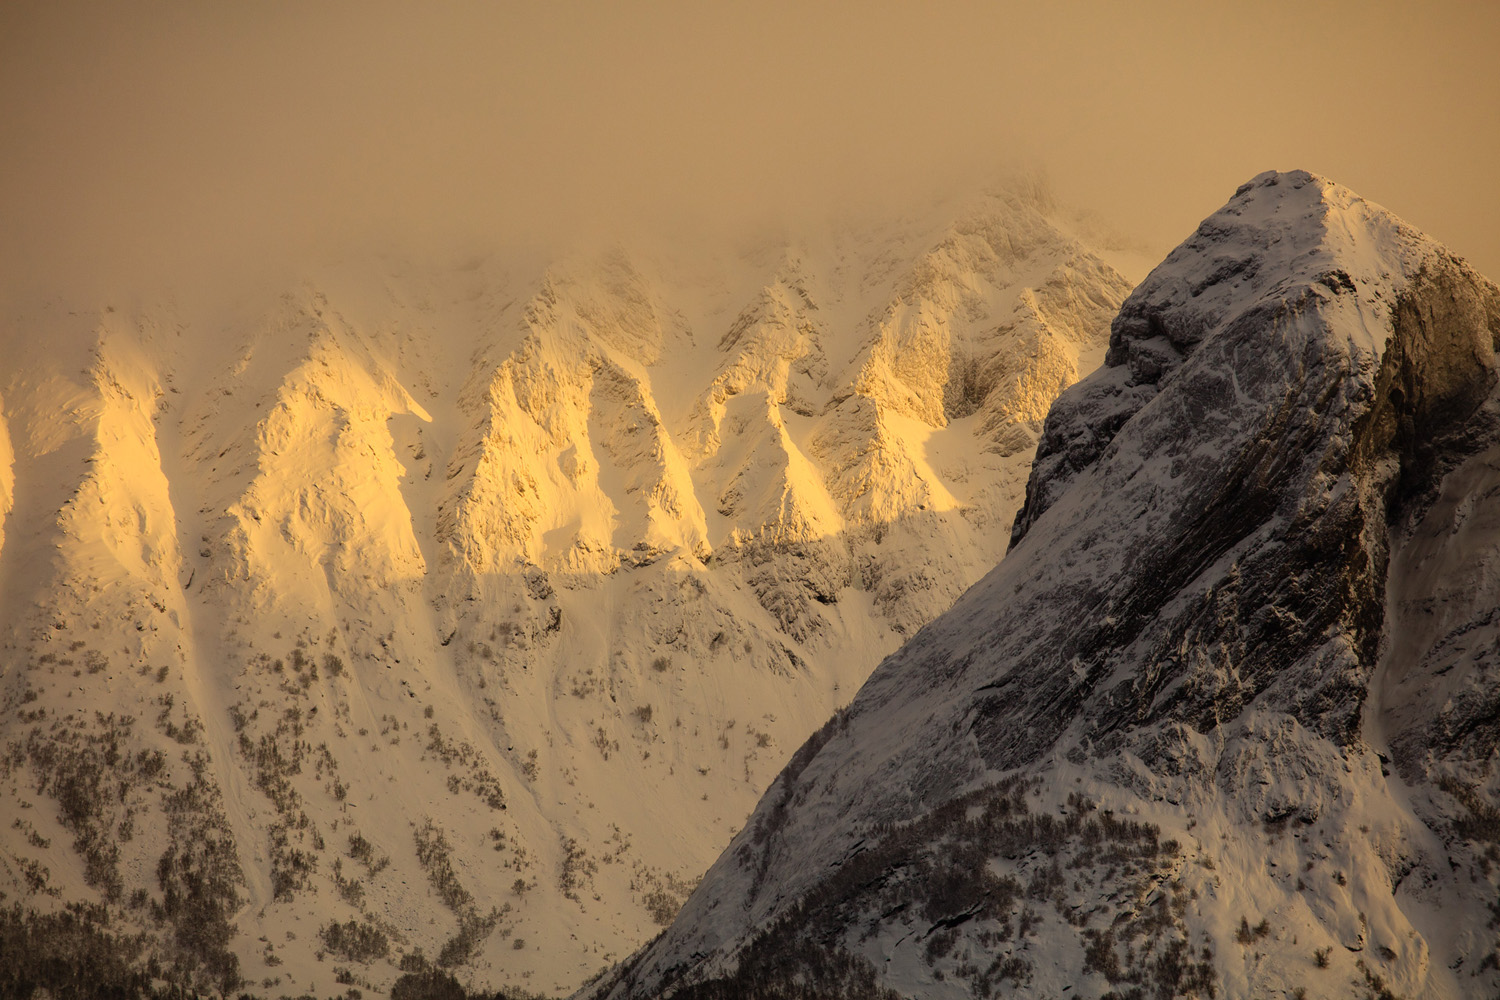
{"points": [[469, 611], [1222, 723]]}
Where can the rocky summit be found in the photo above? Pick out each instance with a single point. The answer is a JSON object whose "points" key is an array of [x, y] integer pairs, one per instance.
{"points": [[1223, 721]]}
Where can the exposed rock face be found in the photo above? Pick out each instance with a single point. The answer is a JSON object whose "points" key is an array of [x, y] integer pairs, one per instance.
{"points": [[1257, 560], [471, 611]]}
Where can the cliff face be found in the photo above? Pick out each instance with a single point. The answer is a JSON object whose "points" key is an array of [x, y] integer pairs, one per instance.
{"points": [[1222, 722], [471, 610]]}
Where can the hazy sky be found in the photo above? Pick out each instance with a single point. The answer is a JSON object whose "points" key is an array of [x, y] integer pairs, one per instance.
{"points": [[149, 139]]}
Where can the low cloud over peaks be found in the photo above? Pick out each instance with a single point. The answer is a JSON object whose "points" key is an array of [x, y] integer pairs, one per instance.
{"points": [[153, 143]]}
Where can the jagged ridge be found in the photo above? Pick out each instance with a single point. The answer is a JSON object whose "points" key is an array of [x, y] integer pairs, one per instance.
{"points": [[469, 611]]}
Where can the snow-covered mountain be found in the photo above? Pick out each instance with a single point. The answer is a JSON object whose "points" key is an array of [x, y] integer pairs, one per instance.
{"points": [[471, 610], [1223, 722]]}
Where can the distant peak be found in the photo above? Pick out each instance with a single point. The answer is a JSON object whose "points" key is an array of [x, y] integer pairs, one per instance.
{"points": [[1274, 178]]}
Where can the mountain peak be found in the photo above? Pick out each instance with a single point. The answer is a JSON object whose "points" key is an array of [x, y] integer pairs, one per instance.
{"points": [[1250, 571], [1285, 244]]}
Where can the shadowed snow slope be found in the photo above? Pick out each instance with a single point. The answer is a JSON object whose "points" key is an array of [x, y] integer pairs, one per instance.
{"points": [[471, 610], [1223, 723]]}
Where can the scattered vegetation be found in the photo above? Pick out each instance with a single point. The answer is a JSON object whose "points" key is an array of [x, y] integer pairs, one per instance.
{"points": [[89, 772], [355, 941], [350, 889], [661, 892], [276, 758], [71, 954], [577, 868], [1249, 935], [662, 906], [427, 984], [297, 674], [475, 777], [187, 734], [586, 684], [435, 855], [473, 931], [944, 875], [793, 968], [100, 776], [361, 850], [605, 745], [421, 980], [199, 876]]}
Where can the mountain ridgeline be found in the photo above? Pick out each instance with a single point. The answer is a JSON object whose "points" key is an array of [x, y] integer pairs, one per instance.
{"points": [[1223, 723], [459, 616]]}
